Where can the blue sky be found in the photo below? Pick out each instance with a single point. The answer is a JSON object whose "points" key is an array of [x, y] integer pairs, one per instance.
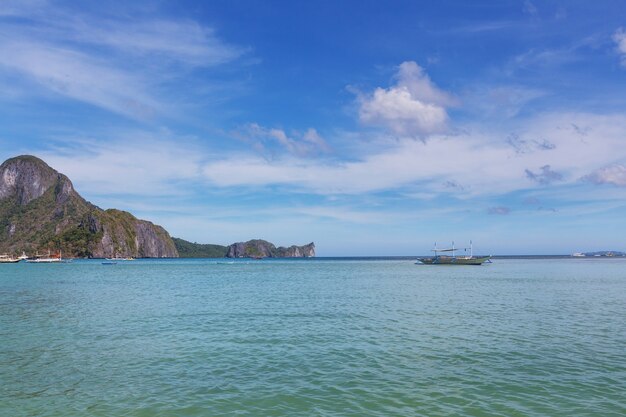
{"points": [[371, 128]]}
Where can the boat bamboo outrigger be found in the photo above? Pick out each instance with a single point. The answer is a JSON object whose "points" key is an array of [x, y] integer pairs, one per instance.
{"points": [[453, 259]]}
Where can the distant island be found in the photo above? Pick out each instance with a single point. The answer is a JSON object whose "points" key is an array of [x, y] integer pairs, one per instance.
{"points": [[41, 211], [608, 253], [256, 248]]}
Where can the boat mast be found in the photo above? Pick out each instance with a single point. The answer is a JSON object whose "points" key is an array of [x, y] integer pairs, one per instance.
{"points": [[471, 250], [453, 248]]}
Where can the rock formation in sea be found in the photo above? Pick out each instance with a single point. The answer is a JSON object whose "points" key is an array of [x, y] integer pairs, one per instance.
{"points": [[41, 211], [258, 248]]}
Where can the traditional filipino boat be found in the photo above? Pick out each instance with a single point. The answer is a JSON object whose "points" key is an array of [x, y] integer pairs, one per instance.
{"points": [[453, 259]]}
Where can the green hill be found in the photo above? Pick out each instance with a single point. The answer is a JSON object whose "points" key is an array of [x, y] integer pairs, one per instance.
{"points": [[41, 211], [198, 250]]}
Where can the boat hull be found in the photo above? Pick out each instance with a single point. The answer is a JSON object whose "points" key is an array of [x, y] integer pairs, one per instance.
{"points": [[449, 260], [44, 261]]}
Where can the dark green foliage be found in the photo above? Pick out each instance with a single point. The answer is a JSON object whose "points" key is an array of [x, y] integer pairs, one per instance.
{"points": [[76, 241], [60, 219], [197, 250], [36, 224]]}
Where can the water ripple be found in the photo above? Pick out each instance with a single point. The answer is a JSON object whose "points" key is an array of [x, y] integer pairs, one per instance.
{"points": [[385, 338]]}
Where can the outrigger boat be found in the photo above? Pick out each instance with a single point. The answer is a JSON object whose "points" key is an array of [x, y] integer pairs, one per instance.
{"points": [[453, 259]]}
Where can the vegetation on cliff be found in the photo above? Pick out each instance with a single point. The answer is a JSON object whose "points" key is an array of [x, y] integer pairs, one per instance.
{"points": [[258, 248], [255, 248], [199, 250], [41, 211]]}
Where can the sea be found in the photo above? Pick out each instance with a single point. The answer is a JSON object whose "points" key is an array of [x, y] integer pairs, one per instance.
{"points": [[314, 337]]}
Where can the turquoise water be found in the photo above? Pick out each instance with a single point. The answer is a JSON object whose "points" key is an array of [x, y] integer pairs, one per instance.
{"points": [[313, 338]]}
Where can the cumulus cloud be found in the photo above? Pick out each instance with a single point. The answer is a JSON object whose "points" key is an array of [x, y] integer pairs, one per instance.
{"points": [[480, 159], [274, 140], [476, 164], [612, 174], [620, 40], [414, 106], [545, 176]]}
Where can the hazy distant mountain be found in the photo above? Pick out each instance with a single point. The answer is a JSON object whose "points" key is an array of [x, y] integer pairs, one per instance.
{"points": [[258, 248], [41, 211], [608, 253]]}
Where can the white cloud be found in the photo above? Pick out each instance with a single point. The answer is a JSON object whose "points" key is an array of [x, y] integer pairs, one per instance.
{"points": [[128, 163], [476, 163], [81, 77], [119, 64], [620, 39], [414, 106], [483, 161], [268, 140], [183, 41], [613, 174]]}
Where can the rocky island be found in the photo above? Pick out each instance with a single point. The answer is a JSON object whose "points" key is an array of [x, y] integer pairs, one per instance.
{"points": [[258, 248], [40, 210]]}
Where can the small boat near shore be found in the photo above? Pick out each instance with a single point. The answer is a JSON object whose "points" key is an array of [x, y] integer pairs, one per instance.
{"points": [[453, 259], [6, 259], [46, 259]]}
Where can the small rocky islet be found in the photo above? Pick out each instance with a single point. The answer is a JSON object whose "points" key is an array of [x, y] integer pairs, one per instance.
{"points": [[40, 210]]}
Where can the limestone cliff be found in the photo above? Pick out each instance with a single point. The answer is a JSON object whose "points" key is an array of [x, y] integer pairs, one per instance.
{"points": [[40, 210], [258, 248]]}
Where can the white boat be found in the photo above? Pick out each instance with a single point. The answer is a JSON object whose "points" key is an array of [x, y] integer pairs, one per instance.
{"points": [[43, 259], [578, 255], [6, 259], [23, 256]]}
